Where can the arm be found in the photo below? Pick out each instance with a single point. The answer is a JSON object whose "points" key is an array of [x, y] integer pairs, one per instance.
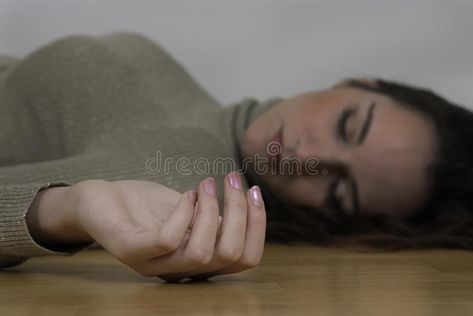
{"points": [[153, 229], [157, 231], [59, 149], [44, 129], [50, 222], [38, 187], [46, 104], [16, 243]]}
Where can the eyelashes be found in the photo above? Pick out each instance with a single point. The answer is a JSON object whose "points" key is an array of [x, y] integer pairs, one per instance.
{"points": [[342, 133], [342, 121]]}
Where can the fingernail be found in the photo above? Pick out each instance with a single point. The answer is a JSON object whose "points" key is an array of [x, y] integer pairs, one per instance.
{"points": [[235, 181], [192, 196], [255, 196], [209, 186]]}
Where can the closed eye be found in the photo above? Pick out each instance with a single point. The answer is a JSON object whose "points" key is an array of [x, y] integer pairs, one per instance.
{"points": [[342, 133], [342, 121]]}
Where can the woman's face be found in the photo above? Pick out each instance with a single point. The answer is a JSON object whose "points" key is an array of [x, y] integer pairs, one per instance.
{"points": [[372, 152]]}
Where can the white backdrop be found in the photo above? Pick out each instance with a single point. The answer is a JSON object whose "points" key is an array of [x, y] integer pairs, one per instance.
{"points": [[273, 48]]}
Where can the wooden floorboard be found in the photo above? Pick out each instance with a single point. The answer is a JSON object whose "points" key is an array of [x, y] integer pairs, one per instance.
{"points": [[291, 280]]}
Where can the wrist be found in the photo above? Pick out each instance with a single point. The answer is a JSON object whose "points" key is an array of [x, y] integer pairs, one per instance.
{"points": [[50, 219]]}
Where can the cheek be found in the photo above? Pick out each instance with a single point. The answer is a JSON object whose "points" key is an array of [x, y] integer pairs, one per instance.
{"points": [[309, 112], [307, 191], [311, 117]]}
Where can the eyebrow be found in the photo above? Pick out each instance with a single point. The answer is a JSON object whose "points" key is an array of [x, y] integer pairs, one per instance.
{"points": [[361, 139], [367, 124]]}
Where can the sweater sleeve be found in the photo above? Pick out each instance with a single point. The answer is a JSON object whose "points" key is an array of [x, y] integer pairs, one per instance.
{"points": [[124, 155], [20, 184], [16, 243]]}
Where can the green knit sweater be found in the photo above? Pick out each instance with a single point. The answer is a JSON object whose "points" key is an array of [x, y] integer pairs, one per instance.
{"points": [[108, 107]]}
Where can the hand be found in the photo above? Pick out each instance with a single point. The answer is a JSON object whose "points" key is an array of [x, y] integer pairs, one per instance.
{"points": [[152, 228]]}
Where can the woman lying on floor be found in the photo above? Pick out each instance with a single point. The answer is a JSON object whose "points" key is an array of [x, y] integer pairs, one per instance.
{"points": [[108, 141]]}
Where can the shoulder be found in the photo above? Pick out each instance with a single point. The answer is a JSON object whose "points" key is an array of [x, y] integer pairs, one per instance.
{"points": [[6, 61], [113, 40], [126, 47]]}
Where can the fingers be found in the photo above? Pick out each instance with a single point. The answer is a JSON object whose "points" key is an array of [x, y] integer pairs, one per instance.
{"points": [[149, 244], [175, 228], [255, 234], [216, 245], [254, 239], [231, 241], [199, 249], [202, 240]]}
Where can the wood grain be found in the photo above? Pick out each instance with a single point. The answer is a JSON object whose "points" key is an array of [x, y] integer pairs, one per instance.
{"points": [[291, 280]]}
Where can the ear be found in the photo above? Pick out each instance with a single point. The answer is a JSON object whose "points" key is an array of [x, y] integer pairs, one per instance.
{"points": [[345, 82]]}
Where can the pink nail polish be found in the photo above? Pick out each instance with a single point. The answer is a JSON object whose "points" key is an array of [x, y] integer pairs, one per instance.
{"points": [[209, 186], [234, 179], [255, 196]]}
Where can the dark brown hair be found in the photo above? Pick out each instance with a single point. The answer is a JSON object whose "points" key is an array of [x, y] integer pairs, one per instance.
{"points": [[444, 221]]}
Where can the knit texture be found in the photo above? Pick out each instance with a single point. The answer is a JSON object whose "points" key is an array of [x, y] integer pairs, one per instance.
{"points": [[105, 107]]}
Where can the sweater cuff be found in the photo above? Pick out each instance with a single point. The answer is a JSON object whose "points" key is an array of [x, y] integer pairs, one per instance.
{"points": [[15, 239]]}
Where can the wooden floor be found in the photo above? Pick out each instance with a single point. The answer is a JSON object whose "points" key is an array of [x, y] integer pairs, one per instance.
{"points": [[300, 280]]}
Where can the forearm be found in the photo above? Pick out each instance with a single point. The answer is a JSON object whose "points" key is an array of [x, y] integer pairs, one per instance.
{"points": [[51, 222]]}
